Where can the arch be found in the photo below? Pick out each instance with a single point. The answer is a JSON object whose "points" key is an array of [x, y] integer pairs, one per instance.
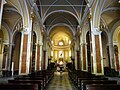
{"points": [[97, 13], [33, 61], [56, 11], [58, 18], [11, 9], [15, 6], [111, 8], [116, 43], [114, 33], [89, 59], [25, 16], [105, 49], [62, 24], [15, 31], [16, 51], [56, 1], [5, 25]]}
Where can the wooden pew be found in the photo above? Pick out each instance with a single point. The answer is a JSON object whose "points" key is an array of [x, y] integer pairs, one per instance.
{"points": [[103, 87], [11, 86], [86, 82], [43, 80], [44, 75], [38, 82], [78, 83]]}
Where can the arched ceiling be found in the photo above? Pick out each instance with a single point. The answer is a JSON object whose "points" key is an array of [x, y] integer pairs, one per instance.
{"points": [[10, 10], [116, 34], [5, 35], [64, 12], [61, 18], [110, 12]]}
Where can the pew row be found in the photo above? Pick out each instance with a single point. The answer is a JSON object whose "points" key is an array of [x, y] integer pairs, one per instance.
{"points": [[11, 86], [77, 76], [43, 76], [38, 82], [87, 82], [103, 87]]}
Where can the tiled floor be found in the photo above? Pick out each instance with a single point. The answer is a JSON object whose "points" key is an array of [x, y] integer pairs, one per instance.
{"points": [[61, 82]]}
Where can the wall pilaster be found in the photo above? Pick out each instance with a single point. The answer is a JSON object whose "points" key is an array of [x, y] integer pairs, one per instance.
{"points": [[26, 50], [97, 52], [84, 56], [2, 2]]}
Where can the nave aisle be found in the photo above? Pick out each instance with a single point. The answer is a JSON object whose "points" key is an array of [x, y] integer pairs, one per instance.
{"points": [[61, 82]]}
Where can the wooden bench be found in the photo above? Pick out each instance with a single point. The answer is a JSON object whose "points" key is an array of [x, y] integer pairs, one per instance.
{"points": [[77, 76], [86, 82], [38, 82], [103, 87], [44, 81], [78, 83], [11, 86]]}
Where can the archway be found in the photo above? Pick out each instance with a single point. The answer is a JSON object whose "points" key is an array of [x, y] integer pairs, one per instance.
{"points": [[90, 62], [4, 48], [105, 49], [33, 52], [116, 45], [16, 52], [2, 61], [61, 37]]}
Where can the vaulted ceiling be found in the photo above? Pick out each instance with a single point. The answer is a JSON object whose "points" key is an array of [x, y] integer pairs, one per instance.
{"points": [[61, 12]]}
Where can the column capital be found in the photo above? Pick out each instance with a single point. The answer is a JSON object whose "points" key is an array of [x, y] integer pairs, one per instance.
{"points": [[83, 43], [4, 2], [41, 44], [115, 43], [78, 28], [12, 44], [48, 38], [5, 43], [25, 30], [74, 38], [109, 44], [96, 31]]}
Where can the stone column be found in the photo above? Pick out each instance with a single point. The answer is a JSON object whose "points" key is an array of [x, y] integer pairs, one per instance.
{"points": [[41, 54], [2, 2], [46, 58], [1, 54], [11, 46], [4, 59], [26, 50], [23, 60], [75, 51], [5, 56], [38, 57], [84, 56], [111, 52], [97, 52]]}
